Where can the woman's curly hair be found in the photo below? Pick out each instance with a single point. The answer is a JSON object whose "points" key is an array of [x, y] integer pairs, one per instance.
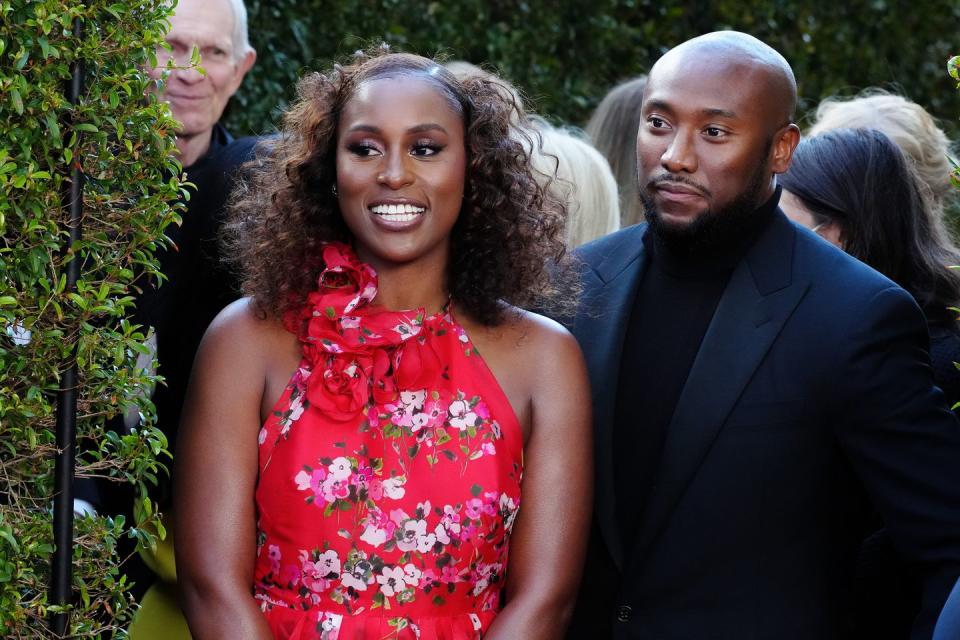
{"points": [[506, 246]]}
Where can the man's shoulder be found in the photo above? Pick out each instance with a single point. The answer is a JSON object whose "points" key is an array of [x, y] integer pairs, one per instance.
{"points": [[619, 247]]}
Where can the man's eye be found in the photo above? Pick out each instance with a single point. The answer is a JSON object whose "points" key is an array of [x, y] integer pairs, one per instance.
{"points": [[657, 123], [713, 132]]}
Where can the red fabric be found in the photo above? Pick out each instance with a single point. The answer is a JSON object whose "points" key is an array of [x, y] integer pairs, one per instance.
{"points": [[389, 474]]}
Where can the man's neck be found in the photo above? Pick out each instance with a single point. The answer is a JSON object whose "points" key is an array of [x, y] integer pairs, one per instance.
{"points": [[193, 147]]}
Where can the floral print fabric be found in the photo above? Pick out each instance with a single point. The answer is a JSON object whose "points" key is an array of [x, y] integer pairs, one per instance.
{"points": [[389, 474]]}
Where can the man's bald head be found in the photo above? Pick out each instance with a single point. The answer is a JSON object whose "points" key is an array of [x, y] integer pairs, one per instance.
{"points": [[715, 129], [737, 52]]}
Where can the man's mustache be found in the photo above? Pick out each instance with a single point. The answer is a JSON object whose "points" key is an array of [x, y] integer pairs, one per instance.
{"points": [[670, 178]]}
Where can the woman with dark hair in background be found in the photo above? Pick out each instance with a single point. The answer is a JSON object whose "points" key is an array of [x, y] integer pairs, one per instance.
{"points": [[855, 188], [387, 242]]}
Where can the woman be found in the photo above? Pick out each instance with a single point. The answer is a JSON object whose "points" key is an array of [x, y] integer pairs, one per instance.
{"points": [[384, 242], [856, 189], [571, 169]]}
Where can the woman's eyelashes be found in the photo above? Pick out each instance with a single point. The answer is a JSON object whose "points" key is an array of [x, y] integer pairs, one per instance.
{"points": [[420, 148]]}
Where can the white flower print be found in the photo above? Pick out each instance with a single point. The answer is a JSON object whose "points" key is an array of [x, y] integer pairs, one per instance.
{"points": [[411, 574], [339, 468], [391, 581], [461, 417], [425, 543], [393, 487], [374, 536], [410, 533]]}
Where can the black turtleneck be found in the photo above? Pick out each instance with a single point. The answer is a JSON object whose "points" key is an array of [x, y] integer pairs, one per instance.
{"points": [[676, 299]]}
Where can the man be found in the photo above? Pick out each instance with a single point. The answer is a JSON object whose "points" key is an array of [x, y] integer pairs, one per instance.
{"points": [[753, 386], [197, 286]]}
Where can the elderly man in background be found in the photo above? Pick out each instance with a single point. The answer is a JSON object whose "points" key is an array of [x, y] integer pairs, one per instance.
{"points": [[197, 286]]}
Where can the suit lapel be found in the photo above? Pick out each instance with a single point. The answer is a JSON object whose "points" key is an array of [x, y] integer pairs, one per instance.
{"points": [[609, 291], [759, 299]]}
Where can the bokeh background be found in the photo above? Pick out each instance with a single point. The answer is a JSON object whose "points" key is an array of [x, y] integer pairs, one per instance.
{"points": [[566, 55]]}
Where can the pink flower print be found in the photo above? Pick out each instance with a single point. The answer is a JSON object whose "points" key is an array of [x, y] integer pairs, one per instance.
{"points": [[312, 480], [350, 322], [481, 410], [391, 581], [375, 489], [398, 516], [262, 436], [449, 574], [436, 411], [299, 380], [467, 532], [428, 577], [410, 533], [474, 508], [393, 487], [411, 574], [289, 575], [273, 552], [488, 449], [340, 468], [461, 417], [333, 489]]}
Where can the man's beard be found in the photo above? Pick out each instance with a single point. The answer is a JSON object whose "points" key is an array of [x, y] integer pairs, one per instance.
{"points": [[713, 229]]}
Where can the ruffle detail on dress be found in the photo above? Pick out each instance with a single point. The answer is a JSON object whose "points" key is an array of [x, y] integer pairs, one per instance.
{"points": [[355, 350]]}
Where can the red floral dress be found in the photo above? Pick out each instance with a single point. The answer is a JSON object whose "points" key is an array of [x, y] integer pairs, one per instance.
{"points": [[389, 474]]}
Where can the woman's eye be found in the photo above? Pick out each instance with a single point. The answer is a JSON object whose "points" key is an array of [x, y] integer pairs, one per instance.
{"points": [[362, 149], [424, 149]]}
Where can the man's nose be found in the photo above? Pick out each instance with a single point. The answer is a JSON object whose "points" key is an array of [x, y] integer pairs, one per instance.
{"points": [[680, 156]]}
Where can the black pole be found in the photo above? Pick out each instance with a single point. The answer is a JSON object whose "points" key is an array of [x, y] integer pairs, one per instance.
{"points": [[61, 570]]}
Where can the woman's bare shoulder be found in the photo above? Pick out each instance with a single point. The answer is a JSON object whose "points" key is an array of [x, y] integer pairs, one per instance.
{"points": [[242, 319]]}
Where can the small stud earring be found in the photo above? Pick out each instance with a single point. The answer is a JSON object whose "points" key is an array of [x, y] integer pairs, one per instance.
{"points": [[333, 190]]}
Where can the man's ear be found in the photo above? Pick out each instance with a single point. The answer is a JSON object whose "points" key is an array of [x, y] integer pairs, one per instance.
{"points": [[784, 143], [243, 66]]}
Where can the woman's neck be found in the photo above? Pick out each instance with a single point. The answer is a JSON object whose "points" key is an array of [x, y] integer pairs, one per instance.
{"points": [[411, 286]]}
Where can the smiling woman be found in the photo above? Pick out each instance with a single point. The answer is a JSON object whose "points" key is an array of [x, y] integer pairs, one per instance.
{"points": [[362, 462]]}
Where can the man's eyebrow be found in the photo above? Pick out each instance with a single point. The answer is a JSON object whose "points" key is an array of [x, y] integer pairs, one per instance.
{"points": [[723, 113], [659, 105]]}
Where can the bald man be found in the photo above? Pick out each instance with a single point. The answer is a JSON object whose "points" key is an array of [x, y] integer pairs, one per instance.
{"points": [[757, 392]]}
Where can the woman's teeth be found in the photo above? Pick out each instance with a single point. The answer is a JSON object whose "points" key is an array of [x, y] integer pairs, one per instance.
{"points": [[397, 212]]}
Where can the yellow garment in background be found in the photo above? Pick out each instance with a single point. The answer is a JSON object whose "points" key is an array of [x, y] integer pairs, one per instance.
{"points": [[160, 617]]}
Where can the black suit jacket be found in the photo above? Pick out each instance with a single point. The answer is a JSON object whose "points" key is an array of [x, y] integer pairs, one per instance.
{"points": [[811, 397]]}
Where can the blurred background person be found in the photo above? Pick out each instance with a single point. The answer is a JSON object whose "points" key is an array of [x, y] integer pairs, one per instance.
{"points": [[577, 174], [909, 126], [855, 188], [613, 130]]}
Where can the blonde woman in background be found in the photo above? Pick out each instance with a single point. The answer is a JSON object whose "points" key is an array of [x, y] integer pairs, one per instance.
{"points": [[613, 130], [577, 174], [906, 123]]}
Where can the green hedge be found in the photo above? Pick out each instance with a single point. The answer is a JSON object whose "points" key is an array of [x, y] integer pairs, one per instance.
{"points": [[566, 55], [122, 142]]}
